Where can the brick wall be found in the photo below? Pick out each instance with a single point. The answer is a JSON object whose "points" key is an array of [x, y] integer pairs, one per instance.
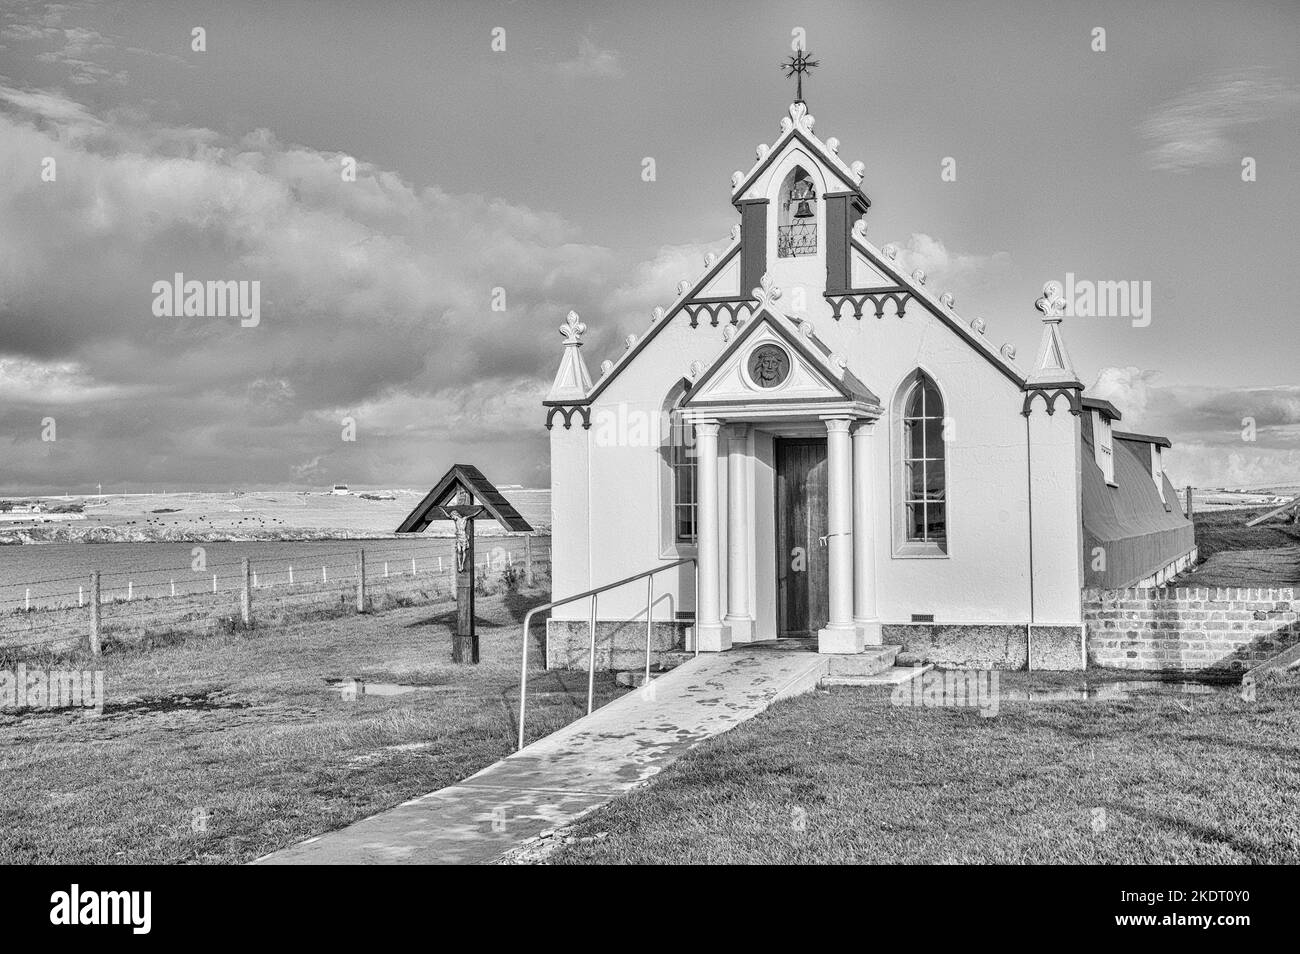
{"points": [[1184, 629]]}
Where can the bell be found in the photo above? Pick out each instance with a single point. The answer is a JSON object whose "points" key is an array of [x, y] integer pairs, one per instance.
{"points": [[804, 211]]}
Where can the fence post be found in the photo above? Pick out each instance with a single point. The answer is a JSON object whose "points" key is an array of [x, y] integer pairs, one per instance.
{"points": [[246, 596], [361, 581], [528, 558], [1188, 508], [94, 613]]}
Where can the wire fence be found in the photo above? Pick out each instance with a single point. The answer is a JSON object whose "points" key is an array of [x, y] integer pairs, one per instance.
{"points": [[150, 603]]}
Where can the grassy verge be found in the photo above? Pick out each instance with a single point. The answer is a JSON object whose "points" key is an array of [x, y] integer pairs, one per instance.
{"points": [[220, 747], [847, 777], [1220, 530]]}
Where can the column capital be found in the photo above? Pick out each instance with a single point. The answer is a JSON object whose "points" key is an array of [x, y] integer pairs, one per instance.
{"points": [[707, 427], [740, 431], [837, 425], [864, 428]]}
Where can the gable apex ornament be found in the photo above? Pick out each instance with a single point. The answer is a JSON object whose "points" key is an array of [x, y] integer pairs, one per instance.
{"points": [[572, 382], [1053, 373]]}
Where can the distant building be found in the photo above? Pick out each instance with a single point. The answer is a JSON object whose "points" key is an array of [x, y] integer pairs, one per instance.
{"points": [[340, 489]]}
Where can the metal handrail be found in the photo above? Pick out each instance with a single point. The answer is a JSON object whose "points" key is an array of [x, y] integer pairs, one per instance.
{"points": [[648, 576]]}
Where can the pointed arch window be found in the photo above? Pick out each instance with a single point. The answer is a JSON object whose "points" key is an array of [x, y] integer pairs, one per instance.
{"points": [[924, 484], [796, 232]]}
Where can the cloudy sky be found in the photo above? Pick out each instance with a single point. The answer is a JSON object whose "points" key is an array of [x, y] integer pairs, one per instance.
{"points": [[521, 169]]}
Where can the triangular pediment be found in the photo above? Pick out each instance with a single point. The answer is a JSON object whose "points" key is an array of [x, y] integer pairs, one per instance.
{"points": [[773, 360]]}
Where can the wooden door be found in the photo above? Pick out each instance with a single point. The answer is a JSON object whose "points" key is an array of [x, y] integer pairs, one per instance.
{"points": [[802, 558]]}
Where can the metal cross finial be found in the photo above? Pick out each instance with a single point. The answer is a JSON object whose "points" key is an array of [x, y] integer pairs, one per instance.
{"points": [[797, 65]]}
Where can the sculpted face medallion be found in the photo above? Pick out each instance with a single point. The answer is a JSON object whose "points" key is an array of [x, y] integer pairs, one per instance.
{"points": [[769, 366]]}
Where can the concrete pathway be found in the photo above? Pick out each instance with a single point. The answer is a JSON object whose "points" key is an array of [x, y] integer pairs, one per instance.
{"points": [[568, 773]]}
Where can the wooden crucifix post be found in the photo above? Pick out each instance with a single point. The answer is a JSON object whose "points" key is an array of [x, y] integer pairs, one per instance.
{"points": [[462, 495], [465, 637]]}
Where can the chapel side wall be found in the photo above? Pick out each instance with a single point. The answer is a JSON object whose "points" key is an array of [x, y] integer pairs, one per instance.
{"points": [[570, 514]]}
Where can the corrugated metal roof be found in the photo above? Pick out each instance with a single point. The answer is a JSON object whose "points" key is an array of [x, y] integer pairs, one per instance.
{"points": [[1134, 528]]}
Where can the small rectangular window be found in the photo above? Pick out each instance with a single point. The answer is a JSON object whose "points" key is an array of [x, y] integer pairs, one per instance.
{"points": [[682, 459]]}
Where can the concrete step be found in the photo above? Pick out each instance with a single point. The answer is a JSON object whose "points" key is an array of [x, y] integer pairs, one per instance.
{"points": [[870, 661], [894, 676]]}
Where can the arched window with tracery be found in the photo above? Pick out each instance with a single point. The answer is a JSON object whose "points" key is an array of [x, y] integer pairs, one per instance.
{"points": [[923, 483]]}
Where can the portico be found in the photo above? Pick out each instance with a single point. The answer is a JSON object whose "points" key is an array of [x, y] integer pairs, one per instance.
{"points": [[728, 566], [783, 428]]}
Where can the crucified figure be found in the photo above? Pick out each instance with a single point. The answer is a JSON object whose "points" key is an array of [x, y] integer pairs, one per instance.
{"points": [[462, 539]]}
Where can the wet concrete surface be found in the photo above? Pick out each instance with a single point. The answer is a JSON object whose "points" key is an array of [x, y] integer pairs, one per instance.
{"points": [[561, 777]]}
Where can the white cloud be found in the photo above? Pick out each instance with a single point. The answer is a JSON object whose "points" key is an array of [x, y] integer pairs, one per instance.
{"points": [[591, 62], [1196, 128]]}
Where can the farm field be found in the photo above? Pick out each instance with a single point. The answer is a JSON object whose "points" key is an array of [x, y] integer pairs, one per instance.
{"points": [[218, 749], [252, 515]]}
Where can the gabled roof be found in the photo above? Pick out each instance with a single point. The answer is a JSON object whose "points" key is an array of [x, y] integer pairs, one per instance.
{"points": [[470, 479], [659, 322], [802, 339], [936, 307], [798, 126]]}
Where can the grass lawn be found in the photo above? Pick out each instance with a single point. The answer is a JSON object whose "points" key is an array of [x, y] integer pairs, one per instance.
{"points": [[221, 748], [845, 776]]}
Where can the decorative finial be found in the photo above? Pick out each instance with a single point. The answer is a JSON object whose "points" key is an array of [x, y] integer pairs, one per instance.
{"points": [[630, 341], [767, 293], [1009, 351], [737, 178], [860, 227], [797, 65], [657, 315], [1052, 305], [606, 367], [978, 326], [573, 329], [919, 276], [735, 233], [947, 300], [890, 250], [859, 169]]}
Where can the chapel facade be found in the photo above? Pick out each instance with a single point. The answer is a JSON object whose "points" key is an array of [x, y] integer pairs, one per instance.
{"points": [[849, 460]]}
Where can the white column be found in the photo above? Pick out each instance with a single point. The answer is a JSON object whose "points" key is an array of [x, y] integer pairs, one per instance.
{"points": [[711, 635], [865, 617], [840, 635], [739, 616]]}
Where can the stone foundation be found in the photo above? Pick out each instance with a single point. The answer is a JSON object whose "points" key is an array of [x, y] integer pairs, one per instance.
{"points": [[620, 644], [1189, 629], [990, 646]]}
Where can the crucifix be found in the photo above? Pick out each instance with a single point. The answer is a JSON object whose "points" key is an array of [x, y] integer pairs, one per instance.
{"points": [[797, 65], [461, 495], [462, 513]]}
